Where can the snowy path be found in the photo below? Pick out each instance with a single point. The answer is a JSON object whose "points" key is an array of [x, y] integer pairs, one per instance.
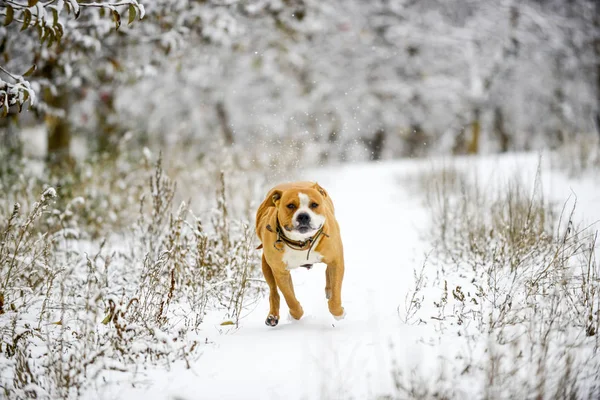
{"points": [[312, 358]]}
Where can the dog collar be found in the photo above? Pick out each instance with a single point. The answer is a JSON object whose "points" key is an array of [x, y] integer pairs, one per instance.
{"points": [[295, 244]]}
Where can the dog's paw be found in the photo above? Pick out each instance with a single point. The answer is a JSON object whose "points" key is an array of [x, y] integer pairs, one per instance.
{"points": [[272, 320], [296, 314], [340, 317]]}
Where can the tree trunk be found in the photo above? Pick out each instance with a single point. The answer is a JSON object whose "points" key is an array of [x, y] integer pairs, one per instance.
{"points": [[225, 123], [499, 130], [473, 146], [9, 136], [108, 130], [59, 131], [560, 132], [416, 141], [375, 144]]}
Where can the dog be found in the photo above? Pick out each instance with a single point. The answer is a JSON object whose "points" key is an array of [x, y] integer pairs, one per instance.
{"points": [[296, 226]]}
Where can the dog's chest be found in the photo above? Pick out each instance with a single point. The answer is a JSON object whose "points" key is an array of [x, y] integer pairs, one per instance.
{"points": [[296, 258]]}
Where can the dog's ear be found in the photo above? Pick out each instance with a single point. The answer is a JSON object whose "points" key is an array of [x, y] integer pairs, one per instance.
{"points": [[320, 190], [275, 197]]}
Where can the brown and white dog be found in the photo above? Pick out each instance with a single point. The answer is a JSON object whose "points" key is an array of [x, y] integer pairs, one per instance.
{"points": [[297, 228]]}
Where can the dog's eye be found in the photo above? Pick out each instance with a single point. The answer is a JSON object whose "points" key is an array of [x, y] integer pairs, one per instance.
{"points": [[314, 205], [291, 206]]}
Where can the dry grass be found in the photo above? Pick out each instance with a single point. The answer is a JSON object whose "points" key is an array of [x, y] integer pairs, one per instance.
{"points": [[513, 278], [105, 273]]}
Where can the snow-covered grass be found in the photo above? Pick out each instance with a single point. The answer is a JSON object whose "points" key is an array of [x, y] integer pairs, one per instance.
{"points": [[465, 278], [515, 287], [84, 294]]}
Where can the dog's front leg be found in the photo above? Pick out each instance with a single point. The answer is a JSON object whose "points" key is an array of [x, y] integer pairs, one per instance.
{"points": [[284, 282], [273, 317], [328, 283], [333, 288]]}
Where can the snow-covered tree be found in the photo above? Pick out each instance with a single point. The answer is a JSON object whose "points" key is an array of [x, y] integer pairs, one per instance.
{"points": [[76, 53], [60, 43], [349, 79]]}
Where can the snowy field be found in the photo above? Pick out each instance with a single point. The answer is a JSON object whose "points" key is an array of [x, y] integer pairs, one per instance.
{"points": [[378, 351]]}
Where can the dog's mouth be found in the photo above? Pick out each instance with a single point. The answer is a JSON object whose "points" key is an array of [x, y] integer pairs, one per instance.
{"points": [[304, 228]]}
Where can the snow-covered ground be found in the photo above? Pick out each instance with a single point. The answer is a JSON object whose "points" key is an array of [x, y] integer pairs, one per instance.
{"points": [[384, 225]]}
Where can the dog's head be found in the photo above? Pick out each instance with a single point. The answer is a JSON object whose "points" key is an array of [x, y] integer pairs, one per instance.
{"points": [[301, 211]]}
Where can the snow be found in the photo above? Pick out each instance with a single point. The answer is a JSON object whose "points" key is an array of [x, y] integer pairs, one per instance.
{"points": [[50, 192], [383, 223]]}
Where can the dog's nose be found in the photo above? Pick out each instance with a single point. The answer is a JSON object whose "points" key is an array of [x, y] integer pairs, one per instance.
{"points": [[303, 218]]}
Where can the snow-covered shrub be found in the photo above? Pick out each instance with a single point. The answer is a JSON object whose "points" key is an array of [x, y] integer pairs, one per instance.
{"points": [[101, 195], [22, 247], [512, 286], [84, 298], [485, 225]]}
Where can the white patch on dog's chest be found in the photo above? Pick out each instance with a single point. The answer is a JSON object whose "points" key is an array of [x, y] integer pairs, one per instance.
{"points": [[296, 258]]}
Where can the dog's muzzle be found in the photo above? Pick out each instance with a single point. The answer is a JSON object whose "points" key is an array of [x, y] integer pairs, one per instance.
{"points": [[303, 220]]}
